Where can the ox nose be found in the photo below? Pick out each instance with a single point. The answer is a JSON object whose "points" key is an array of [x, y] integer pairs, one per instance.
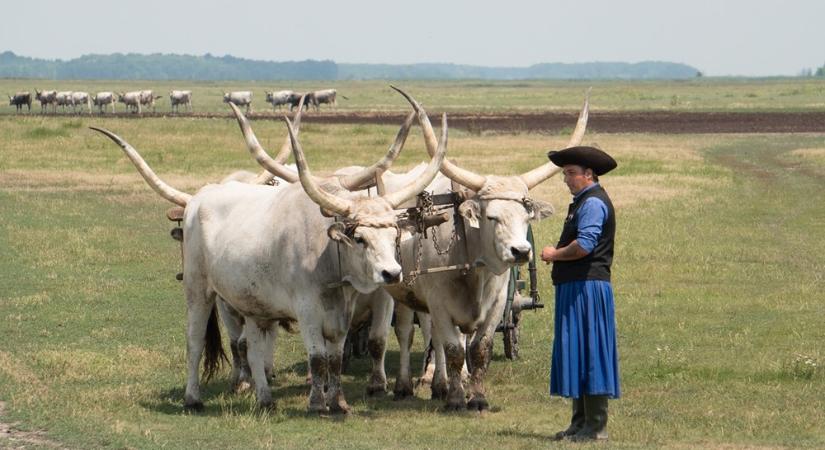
{"points": [[521, 253], [391, 276]]}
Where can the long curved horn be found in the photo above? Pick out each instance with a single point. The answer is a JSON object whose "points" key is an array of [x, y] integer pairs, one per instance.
{"points": [[461, 176], [411, 190], [258, 152], [168, 192], [366, 177], [325, 200], [265, 176], [548, 169]]}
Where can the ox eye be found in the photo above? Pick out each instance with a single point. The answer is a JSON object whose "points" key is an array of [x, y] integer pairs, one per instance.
{"points": [[359, 240], [493, 218]]}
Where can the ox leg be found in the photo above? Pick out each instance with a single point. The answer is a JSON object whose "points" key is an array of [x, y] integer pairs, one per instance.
{"points": [[257, 350], [382, 307], [447, 336], [318, 366], [404, 333], [439, 386], [336, 400], [199, 308], [480, 351]]}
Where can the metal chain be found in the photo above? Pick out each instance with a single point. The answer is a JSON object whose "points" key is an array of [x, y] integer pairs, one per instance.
{"points": [[453, 238], [410, 281]]}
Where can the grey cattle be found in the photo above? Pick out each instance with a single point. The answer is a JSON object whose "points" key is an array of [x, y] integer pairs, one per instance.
{"points": [[63, 99], [46, 99], [101, 99], [79, 98], [177, 98], [325, 96], [231, 232], [147, 98], [131, 100], [239, 98], [278, 98], [295, 100], [496, 212], [19, 99]]}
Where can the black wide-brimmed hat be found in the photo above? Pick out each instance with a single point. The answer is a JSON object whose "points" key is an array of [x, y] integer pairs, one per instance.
{"points": [[597, 160]]}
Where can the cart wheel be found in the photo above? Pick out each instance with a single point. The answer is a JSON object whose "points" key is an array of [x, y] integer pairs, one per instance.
{"points": [[511, 332]]}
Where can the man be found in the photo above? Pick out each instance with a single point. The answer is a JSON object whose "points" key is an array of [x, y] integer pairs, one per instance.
{"points": [[585, 360]]}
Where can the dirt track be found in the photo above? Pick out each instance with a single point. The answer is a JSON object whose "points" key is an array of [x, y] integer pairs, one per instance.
{"points": [[667, 122]]}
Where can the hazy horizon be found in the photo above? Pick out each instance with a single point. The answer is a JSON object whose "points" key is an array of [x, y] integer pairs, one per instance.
{"points": [[730, 38]]}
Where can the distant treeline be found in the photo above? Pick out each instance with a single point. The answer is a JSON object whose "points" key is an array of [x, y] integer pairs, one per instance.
{"points": [[157, 66]]}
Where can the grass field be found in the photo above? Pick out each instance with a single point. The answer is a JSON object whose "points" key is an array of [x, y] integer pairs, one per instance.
{"points": [[714, 94], [718, 279]]}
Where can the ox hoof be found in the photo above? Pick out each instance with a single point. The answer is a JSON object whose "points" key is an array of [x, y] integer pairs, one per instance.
{"points": [[376, 391], [439, 391], [455, 406], [338, 408], [318, 409], [478, 404], [193, 405], [402, 394]]}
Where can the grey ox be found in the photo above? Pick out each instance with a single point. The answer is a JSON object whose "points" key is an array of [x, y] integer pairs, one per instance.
{"points": [[278, 98], [64, 99], [102, 99], [496, 212], [147, 98], [326, 96], [46, 99], [177, 98], [239, 98], [315, 264], [80, 99], [131, 100], [19, 99]]}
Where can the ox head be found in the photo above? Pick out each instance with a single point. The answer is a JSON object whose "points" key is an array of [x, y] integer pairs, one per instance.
{"points": [[366, 227], [499, 208], [226, 97]]}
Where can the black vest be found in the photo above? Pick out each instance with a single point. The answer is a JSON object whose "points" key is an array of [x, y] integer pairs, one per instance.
{"points": [[596, 265]]}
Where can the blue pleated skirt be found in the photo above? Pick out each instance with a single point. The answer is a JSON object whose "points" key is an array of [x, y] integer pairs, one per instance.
{"points": [[585, 357]]}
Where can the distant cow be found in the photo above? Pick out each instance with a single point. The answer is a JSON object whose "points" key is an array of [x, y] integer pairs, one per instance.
{"points": [[131, 100], [322, 96], [239, 98], [80, 99], [295, 99], [21, 98], [64, 99], [147, 98], [101, 99], [278, 98], [177, 98], [46, 98]]}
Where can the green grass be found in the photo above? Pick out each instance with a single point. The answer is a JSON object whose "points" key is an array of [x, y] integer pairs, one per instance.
{"points": [[706, 94], [718, 278]]}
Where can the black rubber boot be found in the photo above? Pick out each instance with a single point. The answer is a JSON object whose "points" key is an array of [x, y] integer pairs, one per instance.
{"points": [[595, 419], [576, 422]]}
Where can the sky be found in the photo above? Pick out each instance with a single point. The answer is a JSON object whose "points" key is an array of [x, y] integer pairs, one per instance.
{"points": [[718, 37]]}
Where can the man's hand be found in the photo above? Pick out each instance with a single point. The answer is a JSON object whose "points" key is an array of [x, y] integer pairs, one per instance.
{"points": [[548, 253]]}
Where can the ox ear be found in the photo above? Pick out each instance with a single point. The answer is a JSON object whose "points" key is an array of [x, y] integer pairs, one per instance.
{"points": [[337, 233], [541, 210], [470, 210]]}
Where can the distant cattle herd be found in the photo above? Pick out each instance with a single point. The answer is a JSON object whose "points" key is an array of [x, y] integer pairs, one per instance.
{"points": [[138, 101]]}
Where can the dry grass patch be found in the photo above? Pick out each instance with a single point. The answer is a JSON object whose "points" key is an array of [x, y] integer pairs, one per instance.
{"points": [[817, 154]]}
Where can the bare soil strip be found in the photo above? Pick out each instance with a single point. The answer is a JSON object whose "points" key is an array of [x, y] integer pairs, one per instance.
{"points": [[666, 122]]}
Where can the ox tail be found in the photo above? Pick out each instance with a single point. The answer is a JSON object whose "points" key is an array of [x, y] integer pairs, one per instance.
{"points": [[166, 191], [213, 354]]}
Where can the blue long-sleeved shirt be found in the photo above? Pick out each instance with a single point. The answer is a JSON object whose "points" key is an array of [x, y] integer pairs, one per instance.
{"points": [[592, 214]]}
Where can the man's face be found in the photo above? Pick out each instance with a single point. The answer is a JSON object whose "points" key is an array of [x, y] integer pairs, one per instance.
{"points": [[577, 178]]}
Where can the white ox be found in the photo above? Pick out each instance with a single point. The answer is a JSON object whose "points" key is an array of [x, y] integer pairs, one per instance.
{"points": [[147, 98], [222, 260], [326, 96], [81, 99], [177, 98], [63, 99], [101, 99], [131, 100], [496, 214], [278, 98], [46, 99], [239, 98]]}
